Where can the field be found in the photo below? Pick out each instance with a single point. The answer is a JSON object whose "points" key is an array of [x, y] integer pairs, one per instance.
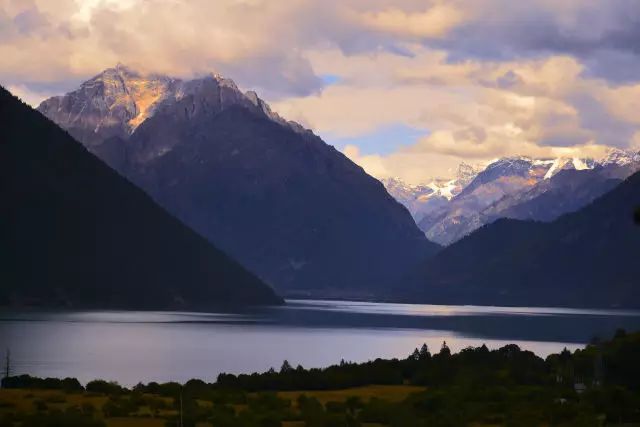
{"points": [[391, 393], [27, 402]]}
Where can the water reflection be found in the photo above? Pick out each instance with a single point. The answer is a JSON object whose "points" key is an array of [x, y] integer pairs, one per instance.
{"points": [[144, 346], [450, 310]]}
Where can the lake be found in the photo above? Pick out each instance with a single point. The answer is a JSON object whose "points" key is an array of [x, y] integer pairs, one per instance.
{"points": [[131, 347]]}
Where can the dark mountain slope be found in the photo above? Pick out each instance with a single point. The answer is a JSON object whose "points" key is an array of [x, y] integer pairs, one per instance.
{"points": [[587, 258], [289, 206], [273, 195], [73, 232]]}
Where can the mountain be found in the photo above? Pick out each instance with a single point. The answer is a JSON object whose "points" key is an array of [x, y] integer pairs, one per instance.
{"points": [[566, 191], [110, 105], [273, 195], [75, 233], [520, 188], [462, 214], [424, 198], [585, 258]]}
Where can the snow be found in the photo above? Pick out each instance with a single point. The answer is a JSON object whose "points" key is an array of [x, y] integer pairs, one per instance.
{"points": [[554, 168], [445, 190], [580, 164]]}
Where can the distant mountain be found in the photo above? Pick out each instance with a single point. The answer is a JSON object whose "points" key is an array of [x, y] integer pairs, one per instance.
{"points": [[425, 198], [566, 191], [74, 233], [520, 187], [462, 214], [585, 258], [270, 193]]}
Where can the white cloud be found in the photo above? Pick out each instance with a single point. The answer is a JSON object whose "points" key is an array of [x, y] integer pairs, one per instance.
{"points": [[33, 98], [488, 78], [434, 22], [475, 110]]}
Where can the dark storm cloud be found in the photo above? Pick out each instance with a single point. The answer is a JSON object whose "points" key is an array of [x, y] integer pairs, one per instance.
{"points": [[604, 35]]}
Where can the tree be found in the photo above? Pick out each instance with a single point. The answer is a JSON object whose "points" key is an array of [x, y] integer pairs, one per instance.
{"points": [[444, 350], [286, 367], [424, 352], [415, 355]]}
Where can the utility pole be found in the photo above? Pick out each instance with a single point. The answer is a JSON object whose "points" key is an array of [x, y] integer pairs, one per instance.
{"points": [[7, 364]]}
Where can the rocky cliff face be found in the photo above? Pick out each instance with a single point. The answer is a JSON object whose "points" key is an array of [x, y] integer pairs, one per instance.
{"points": [[272, 194], [112, 104]]}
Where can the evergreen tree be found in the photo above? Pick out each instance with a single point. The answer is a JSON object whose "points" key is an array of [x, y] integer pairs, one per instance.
{"points": [[286, 367], [415, 355], [445, 350], [424, 352]]}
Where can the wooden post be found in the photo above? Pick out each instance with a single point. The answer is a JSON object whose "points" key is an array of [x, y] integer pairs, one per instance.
{"points": [[7, 364]]}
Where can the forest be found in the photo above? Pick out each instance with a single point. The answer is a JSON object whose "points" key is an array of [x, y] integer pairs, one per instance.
{"points": [[593, 386]]}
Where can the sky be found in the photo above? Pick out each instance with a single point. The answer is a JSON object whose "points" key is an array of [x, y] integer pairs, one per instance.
{"points": [[405, 88]]}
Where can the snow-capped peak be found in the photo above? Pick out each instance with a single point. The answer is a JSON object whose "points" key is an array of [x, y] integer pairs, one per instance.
{"points": [[576, 163], [119, 99], [581, 164], [616, 156], [466, 172], [444, 189]]}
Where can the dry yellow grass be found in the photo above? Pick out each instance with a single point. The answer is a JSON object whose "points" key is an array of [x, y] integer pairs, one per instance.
{"points": [[24, 400], [392, 393], [135, 422]]}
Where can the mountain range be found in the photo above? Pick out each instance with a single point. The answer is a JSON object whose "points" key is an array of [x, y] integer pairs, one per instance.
{"points": [[422, 199], [585, 258], [270, 193], [513, 187], [289, 207], [73, 233]]}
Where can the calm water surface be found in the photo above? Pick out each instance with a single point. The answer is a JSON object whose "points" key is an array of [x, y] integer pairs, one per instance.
{"points": [[130, 347]]}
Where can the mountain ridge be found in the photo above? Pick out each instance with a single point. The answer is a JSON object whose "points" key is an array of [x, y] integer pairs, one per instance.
{"points": [[516, 187], [271, 194], [585, 258], [76, 234]]}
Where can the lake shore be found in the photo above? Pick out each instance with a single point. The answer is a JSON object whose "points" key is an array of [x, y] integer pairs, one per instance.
{"points": [[477, 386]]}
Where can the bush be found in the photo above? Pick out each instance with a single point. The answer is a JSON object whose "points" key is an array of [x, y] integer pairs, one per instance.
{"points": [[104, 387], [29, 382]]}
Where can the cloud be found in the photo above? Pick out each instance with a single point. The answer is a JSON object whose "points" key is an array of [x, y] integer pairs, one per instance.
{"points": [[26, 94], [435, 22], [55, 40], [474, 110], [372, 164], [593, 31], [483, 78]]}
